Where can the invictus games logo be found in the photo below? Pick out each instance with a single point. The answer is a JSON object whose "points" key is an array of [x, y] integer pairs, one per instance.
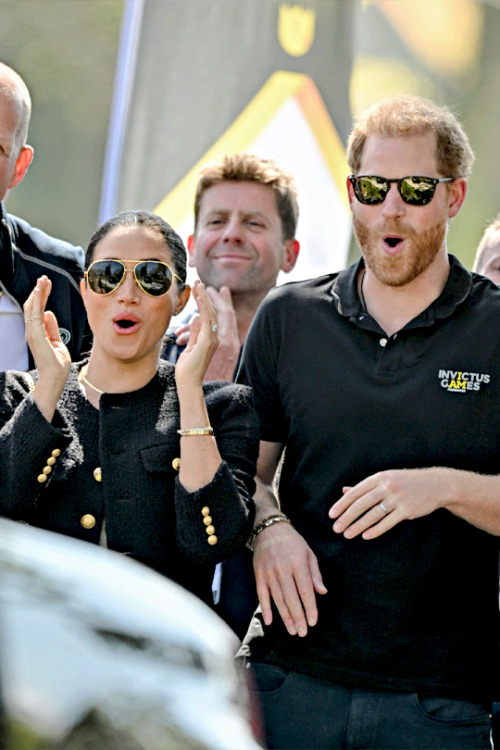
{"points": [[460, 381]]}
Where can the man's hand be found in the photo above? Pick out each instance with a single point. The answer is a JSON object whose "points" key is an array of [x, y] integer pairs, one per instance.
{"points": [[225, 359], [287, 570], [381, 501]]}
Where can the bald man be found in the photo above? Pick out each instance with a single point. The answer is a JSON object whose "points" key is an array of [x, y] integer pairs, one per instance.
{"points": [[25, 252]]}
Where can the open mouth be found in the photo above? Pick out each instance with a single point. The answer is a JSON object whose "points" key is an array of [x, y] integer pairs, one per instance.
{"points": [[393, 241], [125, 323]]}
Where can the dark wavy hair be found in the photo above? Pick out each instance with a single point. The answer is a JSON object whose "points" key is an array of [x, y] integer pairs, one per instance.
{"points": [[144, 219]]}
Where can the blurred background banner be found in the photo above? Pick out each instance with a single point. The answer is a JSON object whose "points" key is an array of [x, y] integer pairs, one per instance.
{"points": [[212, 77], [131, 97]]}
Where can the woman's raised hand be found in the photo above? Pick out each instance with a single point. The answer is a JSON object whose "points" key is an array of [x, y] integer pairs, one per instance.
{"points": [[203, 341], [52, 359]]}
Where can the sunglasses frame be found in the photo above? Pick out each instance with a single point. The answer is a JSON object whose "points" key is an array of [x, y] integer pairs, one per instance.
{"points": [[132, 270], [354, 180]]}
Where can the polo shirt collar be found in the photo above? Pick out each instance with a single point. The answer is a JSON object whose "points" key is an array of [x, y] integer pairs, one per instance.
{"points": [[456, 290]]}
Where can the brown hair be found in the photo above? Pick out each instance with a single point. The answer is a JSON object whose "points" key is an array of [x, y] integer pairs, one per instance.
{"points": [[245, 167], [408, 116]]}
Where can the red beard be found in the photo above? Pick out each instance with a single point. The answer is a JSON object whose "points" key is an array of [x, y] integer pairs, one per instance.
{"points": [[401, 268]]}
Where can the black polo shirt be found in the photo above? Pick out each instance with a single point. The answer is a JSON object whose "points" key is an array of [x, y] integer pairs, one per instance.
{"points": [[416, 609]]}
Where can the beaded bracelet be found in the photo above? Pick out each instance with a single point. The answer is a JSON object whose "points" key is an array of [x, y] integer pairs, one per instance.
{"points": [[276, 518], [196, 431]]}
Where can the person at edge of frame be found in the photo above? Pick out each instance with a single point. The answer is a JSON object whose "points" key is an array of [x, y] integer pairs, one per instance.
{"points": [[27, 252], [487, 260]]}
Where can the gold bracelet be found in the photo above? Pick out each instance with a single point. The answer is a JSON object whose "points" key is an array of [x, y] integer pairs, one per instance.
{"points": [[196, 431]]}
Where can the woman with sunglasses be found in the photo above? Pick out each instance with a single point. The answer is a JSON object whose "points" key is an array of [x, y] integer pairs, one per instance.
{"points": [[122, 449]]}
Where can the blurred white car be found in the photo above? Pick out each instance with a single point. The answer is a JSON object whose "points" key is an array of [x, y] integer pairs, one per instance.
{"points": [[97, 652]]}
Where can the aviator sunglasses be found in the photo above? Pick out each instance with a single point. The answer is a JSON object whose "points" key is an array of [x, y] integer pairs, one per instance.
{"points": [[152, 276], [417, 191]]}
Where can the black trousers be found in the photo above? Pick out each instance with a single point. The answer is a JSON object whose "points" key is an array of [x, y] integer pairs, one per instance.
{"points": [[304, 712]]}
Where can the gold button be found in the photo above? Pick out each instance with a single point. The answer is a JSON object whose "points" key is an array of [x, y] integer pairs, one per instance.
{"points": [[176, 464], [205, 511], [47, 469], [98, 474], [51, 461], [210, 530], [42, 478], [212, 540], [87, 521], [56, 452], [207, 520]]}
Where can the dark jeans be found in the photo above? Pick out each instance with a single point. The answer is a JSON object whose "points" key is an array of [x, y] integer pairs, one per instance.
{"points": [[305, 712]]}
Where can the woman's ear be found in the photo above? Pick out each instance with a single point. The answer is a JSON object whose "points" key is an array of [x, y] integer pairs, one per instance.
{"points": [[182, 300]]}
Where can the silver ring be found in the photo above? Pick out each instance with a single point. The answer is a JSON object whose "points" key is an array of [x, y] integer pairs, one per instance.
{"points": [[215, 327], [381, 505]]}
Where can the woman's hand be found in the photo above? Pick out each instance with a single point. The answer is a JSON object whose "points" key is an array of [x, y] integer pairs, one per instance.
{"points": [[200, 457], [51, 356], [203, 341]]}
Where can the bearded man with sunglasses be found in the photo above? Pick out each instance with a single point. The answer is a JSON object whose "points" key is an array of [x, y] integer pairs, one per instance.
{"points": [[385, 564]]}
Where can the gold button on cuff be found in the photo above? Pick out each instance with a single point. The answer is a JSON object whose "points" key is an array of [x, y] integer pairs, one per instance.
{"points": [[205, 511], [47, 469], [210, 530], [98, 474], [207, 520], [176, 464], [212, 540], [88, 521]]}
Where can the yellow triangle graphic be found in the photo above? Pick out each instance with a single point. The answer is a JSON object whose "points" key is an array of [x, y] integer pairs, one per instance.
{"points": [[282, 85]]}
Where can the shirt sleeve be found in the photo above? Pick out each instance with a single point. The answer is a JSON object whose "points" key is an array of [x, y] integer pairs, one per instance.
{"points": [[259, 368]]}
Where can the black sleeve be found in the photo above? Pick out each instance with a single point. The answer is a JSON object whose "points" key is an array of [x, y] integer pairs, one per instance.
{"points": [[27, 441], [260, 362], [228, 497]]}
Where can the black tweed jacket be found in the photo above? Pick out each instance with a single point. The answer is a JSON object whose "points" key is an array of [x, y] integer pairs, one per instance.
{"points": [[117, 465]]}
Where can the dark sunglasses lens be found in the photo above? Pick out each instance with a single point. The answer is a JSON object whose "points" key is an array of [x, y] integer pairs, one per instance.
{"points": [[153, 277], [370, 190], [418, 191], [104, 276]]}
